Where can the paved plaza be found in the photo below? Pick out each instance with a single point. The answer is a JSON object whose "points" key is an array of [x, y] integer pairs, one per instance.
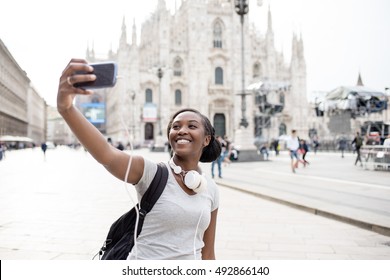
{"points": [[61, 207]]}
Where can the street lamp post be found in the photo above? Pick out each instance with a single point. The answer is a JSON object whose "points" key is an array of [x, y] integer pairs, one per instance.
{"points": [[160, 74], [242, 8], [133, 116]]}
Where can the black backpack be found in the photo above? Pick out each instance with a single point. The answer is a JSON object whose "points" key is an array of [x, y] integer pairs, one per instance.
{"points": [[120, 238]]}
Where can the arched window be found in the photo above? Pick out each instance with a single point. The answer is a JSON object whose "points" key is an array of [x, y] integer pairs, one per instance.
{"points": [[178, 67], [178, 97], [149, 131], [148, 96], [281, 98], [256, 70], [218, 76], [220, 124], [282, 129], [217, 34]]}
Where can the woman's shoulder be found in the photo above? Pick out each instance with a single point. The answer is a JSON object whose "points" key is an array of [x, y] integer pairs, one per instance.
{"points": [[212, 186], [150, 170]]}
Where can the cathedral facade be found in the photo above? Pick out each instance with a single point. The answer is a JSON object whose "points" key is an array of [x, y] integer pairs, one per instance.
{"points": [[192, 58]]}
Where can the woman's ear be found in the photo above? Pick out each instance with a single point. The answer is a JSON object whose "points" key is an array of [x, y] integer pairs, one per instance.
{"points": [[207, 140]]}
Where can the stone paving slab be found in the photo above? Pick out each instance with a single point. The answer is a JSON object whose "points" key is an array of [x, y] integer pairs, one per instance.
{"points": [[61, 209]]}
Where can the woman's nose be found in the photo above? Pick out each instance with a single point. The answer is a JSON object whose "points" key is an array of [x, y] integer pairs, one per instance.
{"points": [[183, 130]]}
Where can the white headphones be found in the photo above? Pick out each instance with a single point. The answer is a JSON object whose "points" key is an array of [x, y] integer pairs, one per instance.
{"points": [[192, 179]]}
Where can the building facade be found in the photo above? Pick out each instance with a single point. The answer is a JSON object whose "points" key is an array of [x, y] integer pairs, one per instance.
{"points": [[22, 109], [192, 58], [58, 131]]}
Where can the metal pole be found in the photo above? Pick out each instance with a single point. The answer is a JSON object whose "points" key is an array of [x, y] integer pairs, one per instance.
{"points": [[242, 13], [159, 75], [133, 116]]}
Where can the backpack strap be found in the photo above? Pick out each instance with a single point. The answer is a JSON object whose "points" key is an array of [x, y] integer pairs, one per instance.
{"points": [[152, 194]]}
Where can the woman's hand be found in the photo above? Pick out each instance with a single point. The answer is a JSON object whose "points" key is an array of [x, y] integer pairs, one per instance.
{"points": [[66, 90]]}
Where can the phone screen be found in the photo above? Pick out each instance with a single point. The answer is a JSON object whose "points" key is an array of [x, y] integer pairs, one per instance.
{"points": [[105, 72]]}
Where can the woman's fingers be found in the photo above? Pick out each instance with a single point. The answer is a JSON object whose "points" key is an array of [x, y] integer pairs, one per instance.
{"points": [[77, 71]]}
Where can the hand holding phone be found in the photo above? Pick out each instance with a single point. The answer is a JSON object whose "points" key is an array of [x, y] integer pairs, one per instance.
{"points": [[105, 72]]}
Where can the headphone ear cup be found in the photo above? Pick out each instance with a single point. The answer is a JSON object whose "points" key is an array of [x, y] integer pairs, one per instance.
{"points": [[203, 185], [192, 179]]}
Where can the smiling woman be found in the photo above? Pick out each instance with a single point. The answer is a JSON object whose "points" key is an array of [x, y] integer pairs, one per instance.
{"points": [[182, 223]]}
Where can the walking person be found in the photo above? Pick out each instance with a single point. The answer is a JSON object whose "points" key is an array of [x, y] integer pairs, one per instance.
{"points": [[342, 145], [44, 148], [358, 143], [219, 160], [303, 148], [316, 143], [1, 151], [293, 146], [264, 151], [228, 149], [182, 224], [275, 146]]}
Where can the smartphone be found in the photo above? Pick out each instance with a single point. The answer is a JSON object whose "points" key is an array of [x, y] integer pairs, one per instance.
{"points": [[105, 72]]}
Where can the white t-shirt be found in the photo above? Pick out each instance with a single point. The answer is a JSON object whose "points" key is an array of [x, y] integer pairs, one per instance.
{"points": [[169, 228], [293, 143], [386, 143]]}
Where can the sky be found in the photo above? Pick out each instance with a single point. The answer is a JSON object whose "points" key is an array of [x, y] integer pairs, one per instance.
{"points": [[341, 37]]}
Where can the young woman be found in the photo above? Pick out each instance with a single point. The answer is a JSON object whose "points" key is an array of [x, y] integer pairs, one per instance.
{"points": [[182, 224]]}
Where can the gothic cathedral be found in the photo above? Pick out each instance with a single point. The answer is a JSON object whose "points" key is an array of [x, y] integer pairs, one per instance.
{"points": [[193, 58]]}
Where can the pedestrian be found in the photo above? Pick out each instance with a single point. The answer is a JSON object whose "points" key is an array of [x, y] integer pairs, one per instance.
{"points": [[234, 154], [293, 146], [4, 148], [219, 160], [303, 149], [342, 145], [120, 146], [275, 146], [316, 143], [227, 150], [182, 224], [44, 148], [264, 151], [358, 143], [1, 151]]}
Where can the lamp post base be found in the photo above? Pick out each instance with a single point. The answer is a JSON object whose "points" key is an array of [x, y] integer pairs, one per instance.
{"points": [[159, 144], [244, 142], [249, 156]]}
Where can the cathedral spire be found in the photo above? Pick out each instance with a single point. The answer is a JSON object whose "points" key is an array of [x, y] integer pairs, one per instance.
{"points": [[161, 5], [294, 47], [92, 52], [134, 34], [269, 20], [123, 40], [360, 81], [270, 33], [87, 52], [300, 45]]}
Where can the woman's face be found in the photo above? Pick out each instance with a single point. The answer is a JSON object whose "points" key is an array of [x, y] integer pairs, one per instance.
{"points": [[187, 134]]}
